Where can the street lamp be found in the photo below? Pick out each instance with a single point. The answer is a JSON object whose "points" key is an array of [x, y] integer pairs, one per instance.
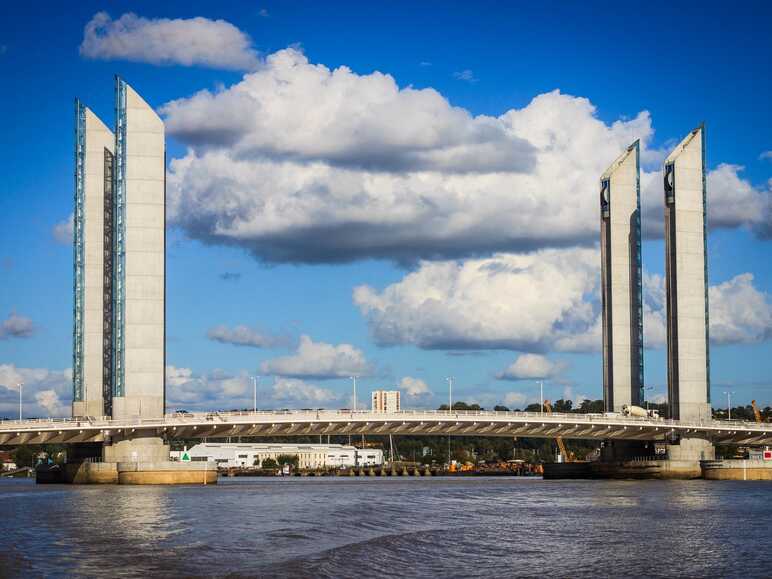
{"points": [[354, 379], [254, 392], [449, 380], [729, 403], [541, 395], [21, 387]]}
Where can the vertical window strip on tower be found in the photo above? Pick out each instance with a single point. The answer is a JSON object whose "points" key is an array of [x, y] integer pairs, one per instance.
{"points": [[639, 270], [119, 234], [705, 257], [107, 287], [78, 257]]}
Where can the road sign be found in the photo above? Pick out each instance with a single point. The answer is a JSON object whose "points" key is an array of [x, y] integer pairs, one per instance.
{"points": [[185, 457]]}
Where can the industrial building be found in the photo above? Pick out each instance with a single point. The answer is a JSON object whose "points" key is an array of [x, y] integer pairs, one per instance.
{"points": [[385, 401], [686, 280], [119, 261], [621, 281], [311, 456]]}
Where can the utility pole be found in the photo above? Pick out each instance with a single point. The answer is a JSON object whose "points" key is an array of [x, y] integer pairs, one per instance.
{"points": [[729, 403], [21, 388], [541, 395], [354, 379], [647, 398]]}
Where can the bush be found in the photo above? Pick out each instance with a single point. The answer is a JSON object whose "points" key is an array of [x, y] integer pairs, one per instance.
{"points": [[269, 463], [290, 459]]}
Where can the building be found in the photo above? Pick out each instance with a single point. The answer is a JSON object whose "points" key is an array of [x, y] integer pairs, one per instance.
{"points": [[310, 456], [386, 401], [119, 261], [686, 280], [621, 281]]}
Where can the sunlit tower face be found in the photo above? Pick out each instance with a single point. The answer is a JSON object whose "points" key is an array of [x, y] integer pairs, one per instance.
{"points": [[686, 279], [621, 282]]}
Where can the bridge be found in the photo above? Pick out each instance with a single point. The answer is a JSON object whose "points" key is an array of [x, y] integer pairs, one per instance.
{"points": [[405, 422]]}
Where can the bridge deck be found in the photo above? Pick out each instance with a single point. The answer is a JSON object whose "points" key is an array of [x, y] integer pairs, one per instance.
{"points": [[406, 422]]}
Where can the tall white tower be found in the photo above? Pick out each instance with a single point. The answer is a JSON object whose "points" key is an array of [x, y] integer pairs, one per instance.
{"points": [[620, 243]]}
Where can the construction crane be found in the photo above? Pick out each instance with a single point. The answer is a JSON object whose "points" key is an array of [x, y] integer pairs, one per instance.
{"points": [[756, 412], [561, 445]]}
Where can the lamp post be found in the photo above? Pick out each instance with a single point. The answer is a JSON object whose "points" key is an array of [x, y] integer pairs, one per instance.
{"points": [[449, 380], [21, 388], [729, 404], [541, 395], [254, 392], [354, 380]]}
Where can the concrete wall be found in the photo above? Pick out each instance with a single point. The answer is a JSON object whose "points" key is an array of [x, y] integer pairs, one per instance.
{"points": [[686, 283], [144, 310], [621, 281], [98, 138]]}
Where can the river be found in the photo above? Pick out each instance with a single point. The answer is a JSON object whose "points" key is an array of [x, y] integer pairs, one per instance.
{"points": [[388, 527]]}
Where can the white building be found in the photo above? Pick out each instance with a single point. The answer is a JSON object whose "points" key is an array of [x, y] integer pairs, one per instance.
{"points": [[386, 401], [309, 455]]}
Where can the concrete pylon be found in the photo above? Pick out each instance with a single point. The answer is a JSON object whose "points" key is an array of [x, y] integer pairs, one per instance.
{"points": [[620, 243], [686, 280]]}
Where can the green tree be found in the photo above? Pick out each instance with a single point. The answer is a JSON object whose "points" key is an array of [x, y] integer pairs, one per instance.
{"points": [[290, 459], [24, 456], [269, 463]]}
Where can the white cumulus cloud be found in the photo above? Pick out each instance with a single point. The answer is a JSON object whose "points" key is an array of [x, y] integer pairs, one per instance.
{"points": [[529, 367], [319, 360], [509, 301], [45, 392], [414, 387], [185, 41], [294, 392], [372, 169]]}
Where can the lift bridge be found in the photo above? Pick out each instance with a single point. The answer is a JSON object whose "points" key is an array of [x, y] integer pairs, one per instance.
{"points": [[406, 422]]}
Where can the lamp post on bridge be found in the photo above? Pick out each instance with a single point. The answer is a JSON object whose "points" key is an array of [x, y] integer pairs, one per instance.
{"points": [[449, 379], [729, 404], [254, 393], [354, 379], [541, 396], [21, 388]]}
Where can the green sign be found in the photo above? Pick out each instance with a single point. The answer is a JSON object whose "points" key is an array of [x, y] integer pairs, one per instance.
{"points": [[185, 457]]}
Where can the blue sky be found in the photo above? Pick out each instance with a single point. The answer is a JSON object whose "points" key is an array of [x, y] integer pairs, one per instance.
{"points": [[425, 173]]}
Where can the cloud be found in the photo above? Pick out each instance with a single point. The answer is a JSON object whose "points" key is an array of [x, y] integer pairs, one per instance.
{"points": [[263, 12], [530, 367], [243, 336], [372, 170], [288, 392], [319, 360], [230, 276], [537, 302], [63, 230], [49, 401], [51, 391], [414, 387], [766, 155], [163, 41], [521, 302], [16, 326], [218, 390], [466, 75], [515, 399]]}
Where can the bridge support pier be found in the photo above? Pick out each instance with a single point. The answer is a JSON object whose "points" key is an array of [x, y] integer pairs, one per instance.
{"points": [[631, 459]]}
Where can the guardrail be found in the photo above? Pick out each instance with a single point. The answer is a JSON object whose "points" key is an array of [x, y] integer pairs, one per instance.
{"points": [[176, 418]]}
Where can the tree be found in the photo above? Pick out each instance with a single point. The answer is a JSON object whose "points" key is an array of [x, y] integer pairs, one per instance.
{"points": [[24, 456], [500, 408], [533, 408], [269, 463], [290, 459]]}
